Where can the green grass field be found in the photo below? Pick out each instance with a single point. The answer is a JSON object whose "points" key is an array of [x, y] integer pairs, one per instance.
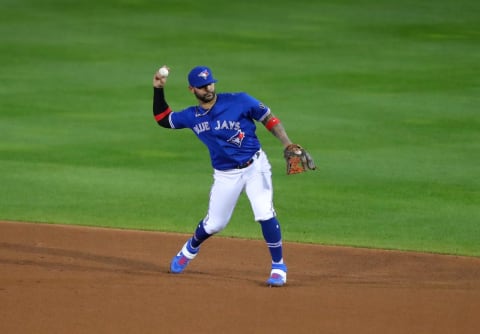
{"points": [[384, 94]]}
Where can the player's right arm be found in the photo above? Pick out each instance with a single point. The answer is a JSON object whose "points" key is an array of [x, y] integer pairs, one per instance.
{"points": [[161, 110]]}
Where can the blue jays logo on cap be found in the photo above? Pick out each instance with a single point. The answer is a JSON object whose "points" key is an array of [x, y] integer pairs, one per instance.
{"points": [[204, 74], [200, 76]]}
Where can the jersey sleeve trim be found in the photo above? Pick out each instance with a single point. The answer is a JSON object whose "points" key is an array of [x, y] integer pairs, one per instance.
{"points": [[265, 115], [170, 121]]}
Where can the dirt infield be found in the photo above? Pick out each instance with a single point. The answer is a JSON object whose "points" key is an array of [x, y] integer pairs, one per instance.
{"points": [[66, 279]]}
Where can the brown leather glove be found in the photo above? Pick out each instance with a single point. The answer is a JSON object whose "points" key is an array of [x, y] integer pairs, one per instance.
{"points": [[298, 160]]}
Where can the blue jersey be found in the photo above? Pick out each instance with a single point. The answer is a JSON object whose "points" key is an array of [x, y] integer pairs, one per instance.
{"points": [[227, 129]]}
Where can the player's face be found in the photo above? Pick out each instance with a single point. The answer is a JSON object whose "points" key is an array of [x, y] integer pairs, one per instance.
{"points": [[205, 93]]}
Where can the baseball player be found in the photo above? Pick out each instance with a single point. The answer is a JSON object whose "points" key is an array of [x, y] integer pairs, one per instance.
{"points": [[225, 123]]}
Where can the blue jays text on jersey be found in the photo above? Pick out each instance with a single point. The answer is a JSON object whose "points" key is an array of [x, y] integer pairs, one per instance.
{"points": [[227, 129]]}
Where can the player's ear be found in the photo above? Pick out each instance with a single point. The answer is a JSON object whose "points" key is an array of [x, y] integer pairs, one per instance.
{"points": [[190, 88]]}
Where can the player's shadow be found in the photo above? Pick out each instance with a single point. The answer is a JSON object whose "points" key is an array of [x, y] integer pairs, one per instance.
{"points": [[77, 260]]}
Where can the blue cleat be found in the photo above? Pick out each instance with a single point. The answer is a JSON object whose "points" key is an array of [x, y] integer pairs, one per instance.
{"points": [[181, 260], [278, 275]]}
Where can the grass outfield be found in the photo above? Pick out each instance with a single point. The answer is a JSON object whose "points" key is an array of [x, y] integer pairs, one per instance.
{"points": [[384, 94]]}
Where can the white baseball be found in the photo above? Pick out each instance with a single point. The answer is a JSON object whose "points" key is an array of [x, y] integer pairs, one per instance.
{"points": [[163, 72]]}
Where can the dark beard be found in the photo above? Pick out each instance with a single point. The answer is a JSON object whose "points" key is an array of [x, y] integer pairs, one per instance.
{"points": [[205, 98]]}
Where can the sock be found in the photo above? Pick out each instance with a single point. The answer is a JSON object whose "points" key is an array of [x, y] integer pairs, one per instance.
{"points": [[199, 236], [273, 237]]}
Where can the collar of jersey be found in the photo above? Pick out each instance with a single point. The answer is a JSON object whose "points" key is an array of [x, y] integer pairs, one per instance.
{"points": [[198, 110]]}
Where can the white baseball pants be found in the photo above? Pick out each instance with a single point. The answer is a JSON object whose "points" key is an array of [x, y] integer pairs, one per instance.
{"points": [[255, 180]]}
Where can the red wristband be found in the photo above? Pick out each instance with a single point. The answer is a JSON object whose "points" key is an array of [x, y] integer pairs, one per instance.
{"points": [[271, 123]]}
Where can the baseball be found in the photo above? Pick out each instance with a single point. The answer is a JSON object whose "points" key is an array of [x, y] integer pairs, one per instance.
{"points": [[163, 72]]}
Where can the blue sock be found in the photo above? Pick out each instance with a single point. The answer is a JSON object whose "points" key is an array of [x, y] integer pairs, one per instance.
{"points": [[199, 236], [273, 237]]}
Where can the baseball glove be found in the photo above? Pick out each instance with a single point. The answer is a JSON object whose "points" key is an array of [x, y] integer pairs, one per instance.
{"points": [[298, 160]]}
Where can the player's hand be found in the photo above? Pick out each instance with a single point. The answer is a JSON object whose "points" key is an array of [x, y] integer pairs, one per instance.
{"points": [[159, 81]]}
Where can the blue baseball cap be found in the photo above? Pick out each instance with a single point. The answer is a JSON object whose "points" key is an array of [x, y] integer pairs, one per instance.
{"points": [[200, 76]]}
